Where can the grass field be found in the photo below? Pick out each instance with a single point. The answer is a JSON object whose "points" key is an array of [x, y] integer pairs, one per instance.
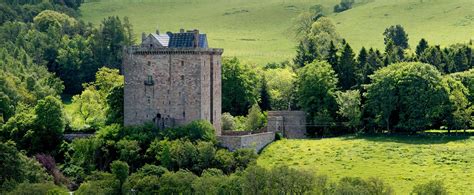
{"points": [[257, 31], [400, 161]]}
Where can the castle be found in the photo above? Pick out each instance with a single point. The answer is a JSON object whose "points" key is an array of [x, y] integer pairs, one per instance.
{"points": [[172, 79]]}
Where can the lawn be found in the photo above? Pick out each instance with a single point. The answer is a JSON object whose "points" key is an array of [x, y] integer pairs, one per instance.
{"points": [[401, 161], [258, 31]]}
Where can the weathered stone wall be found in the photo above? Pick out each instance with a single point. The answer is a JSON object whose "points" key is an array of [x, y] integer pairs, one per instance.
{"points": [[256, 141], [169, 86], [292, 124]]}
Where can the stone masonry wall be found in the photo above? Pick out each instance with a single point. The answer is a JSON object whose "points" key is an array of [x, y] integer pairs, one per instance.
{"points": [[292, 124], [180, 87], [255, 141]]}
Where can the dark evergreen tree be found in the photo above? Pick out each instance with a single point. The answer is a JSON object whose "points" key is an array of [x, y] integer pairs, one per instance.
{"points": [[397, 35], [264, 102], [421, 47], [332, 55], [433, 56], [374, 62], [346, 70], [362, 66], [306, 52]]}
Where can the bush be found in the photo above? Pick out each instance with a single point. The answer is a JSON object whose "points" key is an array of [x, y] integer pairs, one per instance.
{"points": [[200, 130], [100, 183], [37, 189], [255, 119], [177, 182], [225, 161], [228, 122], [355, 185], [243, 157], [145, 180], [120, 170], [343, 6], [434, 187]]}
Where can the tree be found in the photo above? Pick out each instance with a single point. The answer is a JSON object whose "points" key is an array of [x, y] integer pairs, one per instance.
{"points": [[255, 118], [281, 84], [350, 107], [460, 109], [306, 52], [433, 56], [265, 100], [50, 123], [48, 18], [323, 32], [109, 40], [406, 96], [120, 170], [362, 65], [316, 86], [75, 63], [421, 47], [228, 122], [238, 87], [397, 36], [346, 69], [200, 130], [332, 57], [114, 111], [432, 187], [177, 182]]}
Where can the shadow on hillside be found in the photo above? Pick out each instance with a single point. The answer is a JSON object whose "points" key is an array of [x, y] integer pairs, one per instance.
{"points": [[422, 138]]}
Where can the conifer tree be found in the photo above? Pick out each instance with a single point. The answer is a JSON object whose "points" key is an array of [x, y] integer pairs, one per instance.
{"points": [[362, 66], [421, 47], [332, 55], [264, 102], [347, 68]]}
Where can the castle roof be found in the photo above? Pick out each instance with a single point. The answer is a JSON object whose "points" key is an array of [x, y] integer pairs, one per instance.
{"points": [[163, 39], [186, 40]]}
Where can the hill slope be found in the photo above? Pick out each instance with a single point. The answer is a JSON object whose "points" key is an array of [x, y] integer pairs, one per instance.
{"points": [[258, 30], [400, 161]]}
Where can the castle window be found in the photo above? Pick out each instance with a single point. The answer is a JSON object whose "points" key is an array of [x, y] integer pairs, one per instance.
{"points": [[151, 45], [182, 63], [182, 77], [149, 63], [184, 114], [149, 80]]}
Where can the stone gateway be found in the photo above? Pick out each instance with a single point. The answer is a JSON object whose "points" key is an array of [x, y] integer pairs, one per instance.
{"points": [[172, 79]]}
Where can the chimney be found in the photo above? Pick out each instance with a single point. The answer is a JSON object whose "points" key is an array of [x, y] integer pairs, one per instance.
{"points": [[196, 38], [143, 36], [158, 31], [181, 30]]}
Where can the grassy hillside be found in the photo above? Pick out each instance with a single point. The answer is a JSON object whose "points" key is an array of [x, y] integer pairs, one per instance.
{"points": [[400, 161], [258, 30]]}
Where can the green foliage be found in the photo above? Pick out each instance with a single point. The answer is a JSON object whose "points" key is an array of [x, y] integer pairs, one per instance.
{"points": [[227, 121], [393, 97], [316, 86], [120, 170], [109, 40], [90, 109], [323, 32], [238, 87], [281, 87], [38, 189], [265, 99], [179, 182], [145, 180], [200, 130], [350, 107], [397, 36], [243, 157], [343, 6], [346, 68], [30, 127], [84, 153], [255, 119], [114, 110], [48, 18], [17, 168], [434, 187], [460, 109], [355, 185], [128, 151], [100, 183], [225, 160], [421, 47]]}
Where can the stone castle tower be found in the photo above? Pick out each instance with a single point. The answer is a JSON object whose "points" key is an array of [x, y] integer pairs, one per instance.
{"points": [[172, 79]]}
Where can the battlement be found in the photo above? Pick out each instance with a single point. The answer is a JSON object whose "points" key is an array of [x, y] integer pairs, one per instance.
{"points": [[145, 50]]}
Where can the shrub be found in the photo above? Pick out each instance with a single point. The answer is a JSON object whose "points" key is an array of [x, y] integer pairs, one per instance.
{"points": [[100, 183], [177, 182], [120, 170], [37, 189], [228, 122], [244, 156], [145, 180], [434, 187], [225, 160], [200, 130], [255, 118], [356, 185]]}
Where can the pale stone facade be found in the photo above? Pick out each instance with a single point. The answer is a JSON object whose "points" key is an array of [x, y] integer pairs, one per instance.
{"points": [[172, 79], [292, 124]]}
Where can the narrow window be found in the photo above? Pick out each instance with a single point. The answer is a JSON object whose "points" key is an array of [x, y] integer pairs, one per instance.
{"points": [[184, 114], [182, 77], [182, 63], [149, 63]]}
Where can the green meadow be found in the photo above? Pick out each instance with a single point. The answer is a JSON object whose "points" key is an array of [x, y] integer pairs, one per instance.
{"points": [[259, 31], [401, 161]]}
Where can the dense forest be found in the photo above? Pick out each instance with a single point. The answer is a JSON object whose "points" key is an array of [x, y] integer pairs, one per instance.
{"points": [[49, 56]]}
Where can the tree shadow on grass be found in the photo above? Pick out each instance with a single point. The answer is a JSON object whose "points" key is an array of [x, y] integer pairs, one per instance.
{"points": [[418, 139]]}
